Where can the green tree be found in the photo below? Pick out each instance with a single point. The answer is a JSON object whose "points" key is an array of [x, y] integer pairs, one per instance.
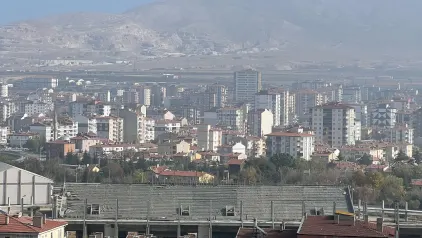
{"points": [[72, 159], [282, 160], [249, 176], [141, 164], [417, 154], [401, 156], [340, 157], [392, 189], [34, 144], [266, 171], [359, 178], [365, 160], [86, 159], [376, 179]]}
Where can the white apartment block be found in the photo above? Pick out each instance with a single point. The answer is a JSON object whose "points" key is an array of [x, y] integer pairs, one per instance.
{"points": [[147, 129], [4, 92], [164, 126], [98, 108], [399, 134], [104, 96], [7, 108], [86, 124], [277, 101], [246, 84], [110, 128], [98, 151], [36, 108], [4, 132], [334, 124], [260, 122], [209, 139], [296, 144], [89, 108], [231, 117], [64, 130]]}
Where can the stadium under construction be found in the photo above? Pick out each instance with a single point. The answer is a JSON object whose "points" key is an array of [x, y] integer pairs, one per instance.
{"points": [[116, 210]]}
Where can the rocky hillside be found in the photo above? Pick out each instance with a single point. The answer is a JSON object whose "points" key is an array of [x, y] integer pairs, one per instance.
{"points": [[387, 27]]}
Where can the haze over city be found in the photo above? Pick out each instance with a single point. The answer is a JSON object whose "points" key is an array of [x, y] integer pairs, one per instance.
{"points": [[210, 118]]}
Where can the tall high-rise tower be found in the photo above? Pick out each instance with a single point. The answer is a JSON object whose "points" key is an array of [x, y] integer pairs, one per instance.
{"points": [[246, 84]]}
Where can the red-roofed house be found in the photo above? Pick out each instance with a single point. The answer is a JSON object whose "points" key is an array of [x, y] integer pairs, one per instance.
{"points": [[14, 226], [416, 184], [59, 149], [235, 166]]}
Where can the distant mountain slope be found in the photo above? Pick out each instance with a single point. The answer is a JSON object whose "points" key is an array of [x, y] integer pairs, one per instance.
{"points": [[387, 27]]}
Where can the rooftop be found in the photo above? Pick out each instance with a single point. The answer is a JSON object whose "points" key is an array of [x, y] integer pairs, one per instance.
{"points": [[335, 106], [24, 225], [203, 200], [290, 134], [327, 226]]}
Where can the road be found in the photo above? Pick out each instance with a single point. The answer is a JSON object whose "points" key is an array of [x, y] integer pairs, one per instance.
{"points": [[21, 154]]}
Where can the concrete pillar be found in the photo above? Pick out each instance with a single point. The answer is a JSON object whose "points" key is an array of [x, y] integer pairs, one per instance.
{"points": [[406, 217], [359, 208], [241, 214], [203, 231], [85, 231], [179, 230], [382, 210], [272, 214], [110, 230], [116, 230]]}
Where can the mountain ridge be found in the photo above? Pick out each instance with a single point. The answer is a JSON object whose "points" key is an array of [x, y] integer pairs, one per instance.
{"points": [[204, 27]]}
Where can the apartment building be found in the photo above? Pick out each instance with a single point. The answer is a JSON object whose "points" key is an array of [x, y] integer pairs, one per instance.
{"points": [[66, 128], [215, 96], [260, 122], [19, 139], [277, 101], [399, 134], [209, 139], [304, 101], [232, 118], [36, 108], [246, 84], [86, 124], [110, 128], [7, 109], [334, 124], [384, 116], [147, 130], [89, 108], [295, 143], [4, 132], [164, 126]]}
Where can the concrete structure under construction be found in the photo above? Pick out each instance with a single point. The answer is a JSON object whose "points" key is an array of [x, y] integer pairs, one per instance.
{"points": [[210, 211]]}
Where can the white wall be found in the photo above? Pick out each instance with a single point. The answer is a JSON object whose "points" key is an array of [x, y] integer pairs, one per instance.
{"points": [[16, 183]]}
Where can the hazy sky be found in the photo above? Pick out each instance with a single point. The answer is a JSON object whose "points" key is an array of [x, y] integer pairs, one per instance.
{"points": [[16, 10]]}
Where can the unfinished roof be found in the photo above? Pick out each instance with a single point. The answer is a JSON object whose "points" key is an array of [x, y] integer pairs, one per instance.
{"points": [[164, 201], [327, 226]]}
